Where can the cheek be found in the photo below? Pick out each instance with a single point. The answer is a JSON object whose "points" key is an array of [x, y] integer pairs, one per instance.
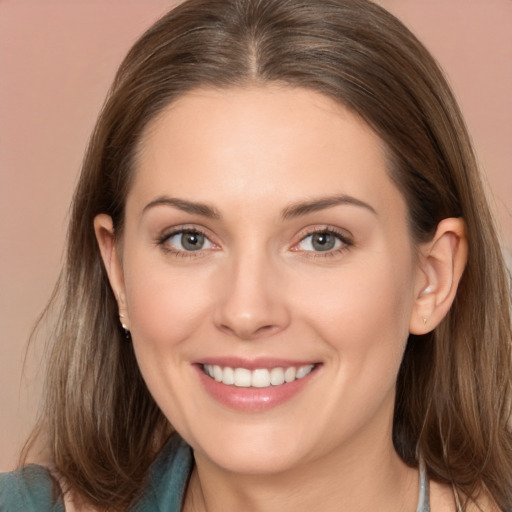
{"points": [[363, 313], [164, 306], [166, 309]]}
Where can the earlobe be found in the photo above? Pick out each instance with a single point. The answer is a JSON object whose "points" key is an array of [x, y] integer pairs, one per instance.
{"points": [[442, 263], [104, 230]]}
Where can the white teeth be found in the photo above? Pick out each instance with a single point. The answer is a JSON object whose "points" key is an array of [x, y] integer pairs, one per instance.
{"points": [[242, 377], [303, 371], [276, 376], [228, 376], [259, 378], [289, 374], [217, 373]]}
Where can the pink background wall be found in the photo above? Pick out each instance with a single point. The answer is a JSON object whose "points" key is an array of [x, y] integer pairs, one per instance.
{"points": [[57, 59]]}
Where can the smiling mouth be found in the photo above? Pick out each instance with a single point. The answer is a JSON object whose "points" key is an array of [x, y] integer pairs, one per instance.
{"points": [[258, 378]]}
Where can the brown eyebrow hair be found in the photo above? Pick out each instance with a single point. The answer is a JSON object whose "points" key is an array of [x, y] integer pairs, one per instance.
{"points": [[294, 210], [184, 205], [305, 207]]}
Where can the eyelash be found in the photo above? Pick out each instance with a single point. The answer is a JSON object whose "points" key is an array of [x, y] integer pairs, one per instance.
{"points": [[162, 242], [346, 242]]}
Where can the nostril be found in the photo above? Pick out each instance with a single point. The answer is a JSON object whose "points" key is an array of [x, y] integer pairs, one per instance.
{"points": [[267, 329], [248, 332]]}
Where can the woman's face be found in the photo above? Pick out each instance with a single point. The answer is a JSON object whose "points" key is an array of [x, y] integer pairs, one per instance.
{"points": [[265, 244]]}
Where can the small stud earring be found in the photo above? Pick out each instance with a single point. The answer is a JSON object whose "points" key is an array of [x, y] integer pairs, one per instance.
{"points": [[127, 334], [126, 331], [424, 320]]}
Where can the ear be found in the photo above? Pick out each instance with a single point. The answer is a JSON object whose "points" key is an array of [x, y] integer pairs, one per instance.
{"points": [[104, 229], [441, 264]]}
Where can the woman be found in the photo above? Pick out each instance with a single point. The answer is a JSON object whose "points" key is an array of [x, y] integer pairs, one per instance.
{"points": [[283, 286]]}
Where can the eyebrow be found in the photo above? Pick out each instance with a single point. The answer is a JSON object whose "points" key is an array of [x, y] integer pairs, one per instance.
{"points": [[304, 208], [293, 211], [184, 205]]}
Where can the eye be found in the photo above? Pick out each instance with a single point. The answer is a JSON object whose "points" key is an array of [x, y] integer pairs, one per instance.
{"points": [[188, 241], [323, 241]]}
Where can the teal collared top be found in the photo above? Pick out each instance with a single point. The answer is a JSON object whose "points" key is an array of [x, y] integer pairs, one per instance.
{"points": [[31, 488]]}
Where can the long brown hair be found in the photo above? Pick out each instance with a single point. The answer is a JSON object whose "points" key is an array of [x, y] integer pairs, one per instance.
{"points": [[454, 386]]}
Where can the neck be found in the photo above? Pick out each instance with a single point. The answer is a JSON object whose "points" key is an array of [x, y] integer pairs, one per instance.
{"points": [[344, 480]]}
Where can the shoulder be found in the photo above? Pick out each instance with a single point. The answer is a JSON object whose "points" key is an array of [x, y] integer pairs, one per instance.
{"points": [[29, 489], [166, 481], [32, 488]]}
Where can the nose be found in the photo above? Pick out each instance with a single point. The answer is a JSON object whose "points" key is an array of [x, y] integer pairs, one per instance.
{"points": [[252, 299]]}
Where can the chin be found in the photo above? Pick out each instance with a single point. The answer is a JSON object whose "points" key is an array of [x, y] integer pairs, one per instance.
{"points": [[253, 461], [260, 451]]}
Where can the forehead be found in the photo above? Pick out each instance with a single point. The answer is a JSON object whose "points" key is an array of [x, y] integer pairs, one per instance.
{"points": [[259, 142]]}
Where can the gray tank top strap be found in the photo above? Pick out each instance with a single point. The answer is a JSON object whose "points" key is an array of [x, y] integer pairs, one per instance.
{"points": [[424, 494]]}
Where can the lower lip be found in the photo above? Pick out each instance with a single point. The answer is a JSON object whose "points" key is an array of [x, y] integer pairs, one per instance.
{"points": [[253, 399]]}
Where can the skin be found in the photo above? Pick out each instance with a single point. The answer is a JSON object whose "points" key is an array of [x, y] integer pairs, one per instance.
{"points": [[258, 288]]}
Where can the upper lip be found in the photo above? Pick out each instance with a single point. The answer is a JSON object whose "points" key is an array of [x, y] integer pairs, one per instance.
{"points": [[254, 363]]}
